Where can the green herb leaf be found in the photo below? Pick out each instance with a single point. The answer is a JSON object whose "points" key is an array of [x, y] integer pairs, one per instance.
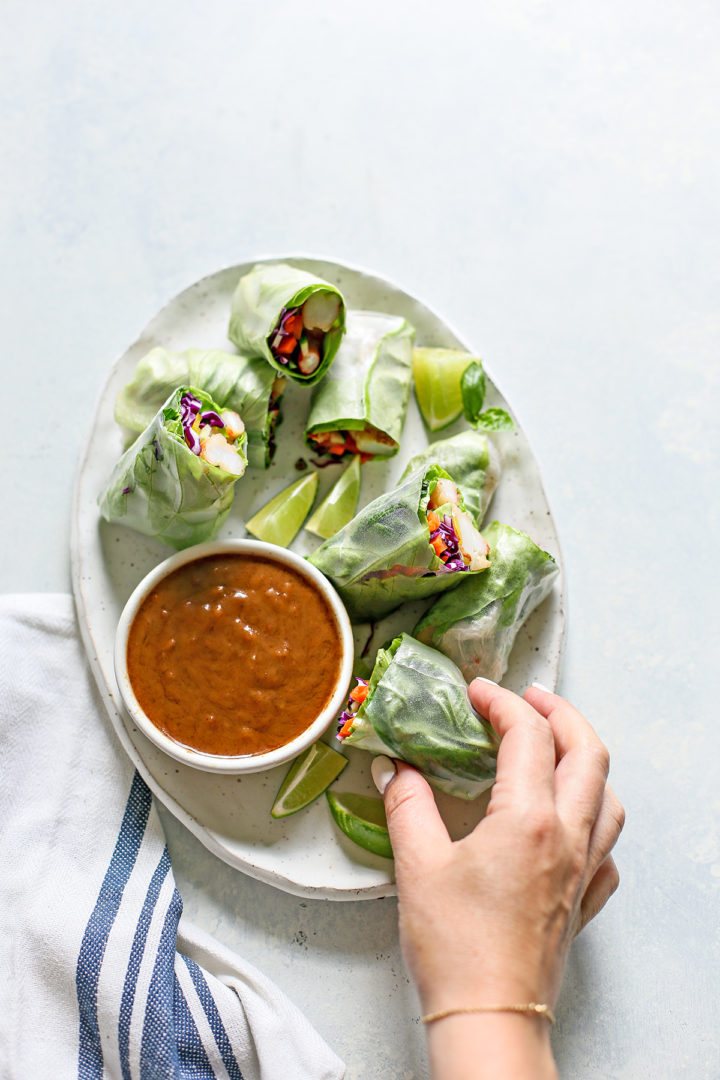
{"points": [[472, 388], [494, 420]]}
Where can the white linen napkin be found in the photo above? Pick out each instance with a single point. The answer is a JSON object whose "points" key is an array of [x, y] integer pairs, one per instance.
{"points": [[102, 977]]}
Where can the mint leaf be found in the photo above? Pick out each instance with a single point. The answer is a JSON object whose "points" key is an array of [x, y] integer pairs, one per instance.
{"points": [[472, 388], [494, 420]]}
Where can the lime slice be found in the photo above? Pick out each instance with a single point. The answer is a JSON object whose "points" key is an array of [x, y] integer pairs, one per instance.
{"points": [[308, 776], [436, 375], [339, 505], [362, 818], [279, 521]]}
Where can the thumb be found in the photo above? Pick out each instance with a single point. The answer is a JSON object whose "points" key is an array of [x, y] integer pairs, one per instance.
{"points": [[414, 823]]}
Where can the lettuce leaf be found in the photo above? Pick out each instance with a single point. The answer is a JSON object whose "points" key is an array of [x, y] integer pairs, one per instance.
{"points": [[234, 382], [417, 709]]}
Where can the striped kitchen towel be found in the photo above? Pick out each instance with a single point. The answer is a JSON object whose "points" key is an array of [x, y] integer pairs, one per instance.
{"points": [[102, 977]]}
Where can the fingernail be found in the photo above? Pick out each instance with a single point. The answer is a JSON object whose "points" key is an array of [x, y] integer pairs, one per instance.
{"points": [[383, 771], [479, 678], [539, 686]]}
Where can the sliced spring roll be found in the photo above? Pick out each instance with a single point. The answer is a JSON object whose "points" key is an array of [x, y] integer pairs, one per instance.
{"points": [[176, 482], [246, 386], [360, 405], [293, 319], [472, 460], [408, 544], [415, 707], [477, 626]]}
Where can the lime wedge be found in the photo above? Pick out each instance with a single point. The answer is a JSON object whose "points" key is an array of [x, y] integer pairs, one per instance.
{"points": [[308, 776], [436, 375], [279, 521], [339, 505], [362, 818]]}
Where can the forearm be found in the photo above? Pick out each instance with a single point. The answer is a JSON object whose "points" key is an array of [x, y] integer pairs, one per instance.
{"points": [[491, 1046]]}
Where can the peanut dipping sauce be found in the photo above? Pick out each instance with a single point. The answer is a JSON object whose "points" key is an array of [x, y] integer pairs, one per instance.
{"points": [[234, 654]]}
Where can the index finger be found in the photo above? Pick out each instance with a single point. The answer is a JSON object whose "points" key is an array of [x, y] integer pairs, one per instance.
{"points": [[583, 760], [526, 757]]}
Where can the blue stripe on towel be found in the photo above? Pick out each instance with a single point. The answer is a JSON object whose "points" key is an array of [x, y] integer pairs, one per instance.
{"points": [[193, 1060], [136, 955], [214, 1019], [159, 1051], [92, 949]]}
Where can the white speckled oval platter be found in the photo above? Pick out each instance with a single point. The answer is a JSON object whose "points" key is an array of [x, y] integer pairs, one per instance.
{"points": [[304, 854]]}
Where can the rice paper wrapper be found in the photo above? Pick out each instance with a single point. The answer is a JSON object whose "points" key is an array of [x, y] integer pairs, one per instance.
{"points": [[477, 626], [417, 709], [369, 381], [258, 303], [161, 488], [240, 383], [383, 557], [474, 462]]}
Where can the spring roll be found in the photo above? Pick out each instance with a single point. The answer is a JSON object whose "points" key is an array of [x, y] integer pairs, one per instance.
{"points": [[177, 480], [472, 460], [360, 405], [248, 387], [291, 318], [407, 544], [477, 626], [415, 707]]}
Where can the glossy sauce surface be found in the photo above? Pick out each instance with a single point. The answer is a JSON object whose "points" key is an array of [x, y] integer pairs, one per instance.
{"points": [[234, 654]]}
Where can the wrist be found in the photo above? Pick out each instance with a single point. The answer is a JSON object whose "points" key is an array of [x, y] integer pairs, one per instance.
{"points": [[491, 1046]]}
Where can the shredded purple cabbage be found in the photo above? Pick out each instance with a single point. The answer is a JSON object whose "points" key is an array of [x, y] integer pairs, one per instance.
{"points": [[281, 335], [192, 439], [451, 556], [212, 418], [189, 408]]}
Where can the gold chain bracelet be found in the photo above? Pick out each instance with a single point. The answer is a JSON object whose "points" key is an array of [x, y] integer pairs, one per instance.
{"points": [[531, 1009]]}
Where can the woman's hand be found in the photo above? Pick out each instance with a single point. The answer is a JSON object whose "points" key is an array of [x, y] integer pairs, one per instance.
{"points": [[488, 919]]}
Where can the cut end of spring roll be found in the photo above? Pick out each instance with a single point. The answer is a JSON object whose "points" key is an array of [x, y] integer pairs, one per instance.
{"points": [[176, 481], [408, 544], [415, 707], [368, 442], [474, 462], [290, 317]]}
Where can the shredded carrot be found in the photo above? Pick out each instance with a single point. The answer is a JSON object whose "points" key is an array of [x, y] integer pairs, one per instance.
{"points": [[359, 693], [294, 324], [433, 521], [287, 346], [439, 545], [346, 728], [337, 450]]}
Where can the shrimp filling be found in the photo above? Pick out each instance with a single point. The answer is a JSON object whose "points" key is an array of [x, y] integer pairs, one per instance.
{"points": [[212, 436], [453, 536], [298, 340]]}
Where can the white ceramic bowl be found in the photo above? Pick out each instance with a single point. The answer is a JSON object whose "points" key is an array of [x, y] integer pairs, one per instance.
{"points": [[245, 763]]}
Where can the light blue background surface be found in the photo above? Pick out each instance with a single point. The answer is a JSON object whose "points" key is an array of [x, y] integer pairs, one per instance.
{"points": [[546, 176]]}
